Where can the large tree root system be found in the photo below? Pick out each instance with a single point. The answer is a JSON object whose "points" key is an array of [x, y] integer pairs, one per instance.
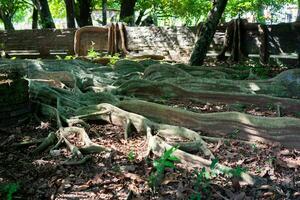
{"points": [[72, 93]]}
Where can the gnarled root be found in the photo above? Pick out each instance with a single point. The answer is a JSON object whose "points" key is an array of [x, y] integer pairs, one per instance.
{"points": [[154, 131]]}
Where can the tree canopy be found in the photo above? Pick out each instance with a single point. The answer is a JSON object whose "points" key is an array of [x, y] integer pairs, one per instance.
{"points": [[189, 12]]}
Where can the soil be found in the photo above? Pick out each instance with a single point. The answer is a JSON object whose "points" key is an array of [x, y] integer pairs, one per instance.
{"points": [[123, 173]]}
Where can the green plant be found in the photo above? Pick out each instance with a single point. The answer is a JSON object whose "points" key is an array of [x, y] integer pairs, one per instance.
{"points": [[9, 189], [131, 156], [70, 57], [167, 160], [236, 172], [114, 59], [271, 160], [203, 179], [92, 54], [254, 147], [58, 57]]}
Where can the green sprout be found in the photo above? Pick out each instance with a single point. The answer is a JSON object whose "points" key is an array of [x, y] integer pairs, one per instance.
{"points": [[203, 180], [92, 54], [167, 160], [9, 189], [131, 156]]}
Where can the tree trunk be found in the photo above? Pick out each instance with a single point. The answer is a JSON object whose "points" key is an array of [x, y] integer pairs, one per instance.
{"points": [[298, 35], [35, 16], [83, 14], [45, 14], [70, 9], [260, 12], [298, 14], [127, 11], [104, 14], [263, 48], [140, 17], [207, 34], [8, 25], [7, 20]]}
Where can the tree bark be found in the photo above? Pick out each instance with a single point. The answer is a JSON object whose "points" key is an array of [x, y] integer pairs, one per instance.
{"points": [[7, 20], [83, 14], [207, 34], [45, 14], [298, 35], [139, 19], [127, 11], [104, 12], [70, 9], [35, 16], [260, 13], [8, 25], [298, 14], [263, 48]]}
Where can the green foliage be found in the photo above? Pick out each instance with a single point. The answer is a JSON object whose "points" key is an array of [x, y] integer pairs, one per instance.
{"points": [[9, 189], [114, 59], [204, 177], [70, 57], [10, 8], [57, 8], [271, 160], [236, 172], [167, 160], [236, 7], [254, 147], [92, 54], [131, 156]]}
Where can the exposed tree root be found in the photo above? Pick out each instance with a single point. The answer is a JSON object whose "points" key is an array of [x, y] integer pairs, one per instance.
{"points": [[46, 143], [88, 147], [230, 124], [154, 90], [119, 117], [84, 91], [27, 143], [79, 162], [153, 130]]}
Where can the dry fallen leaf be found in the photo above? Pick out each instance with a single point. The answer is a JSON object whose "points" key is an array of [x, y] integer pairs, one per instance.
{"points": [[170, 178], [134, 177], [81, 187]]}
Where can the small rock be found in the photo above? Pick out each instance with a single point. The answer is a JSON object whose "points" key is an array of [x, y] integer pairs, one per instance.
{"points": [[128, 168], [58, 172], [55, 153], [67, 186]]}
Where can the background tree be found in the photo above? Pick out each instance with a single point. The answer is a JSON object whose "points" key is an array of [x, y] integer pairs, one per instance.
{"points": [[256, 7], [298, 13], [83, 11], [8, 9], [127, 11], [70, 10], [35, 17], [44, 12], [104, 12], [208, 32]]}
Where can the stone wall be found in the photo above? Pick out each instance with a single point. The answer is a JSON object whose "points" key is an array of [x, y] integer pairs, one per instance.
{"points": [[175, 43]]}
